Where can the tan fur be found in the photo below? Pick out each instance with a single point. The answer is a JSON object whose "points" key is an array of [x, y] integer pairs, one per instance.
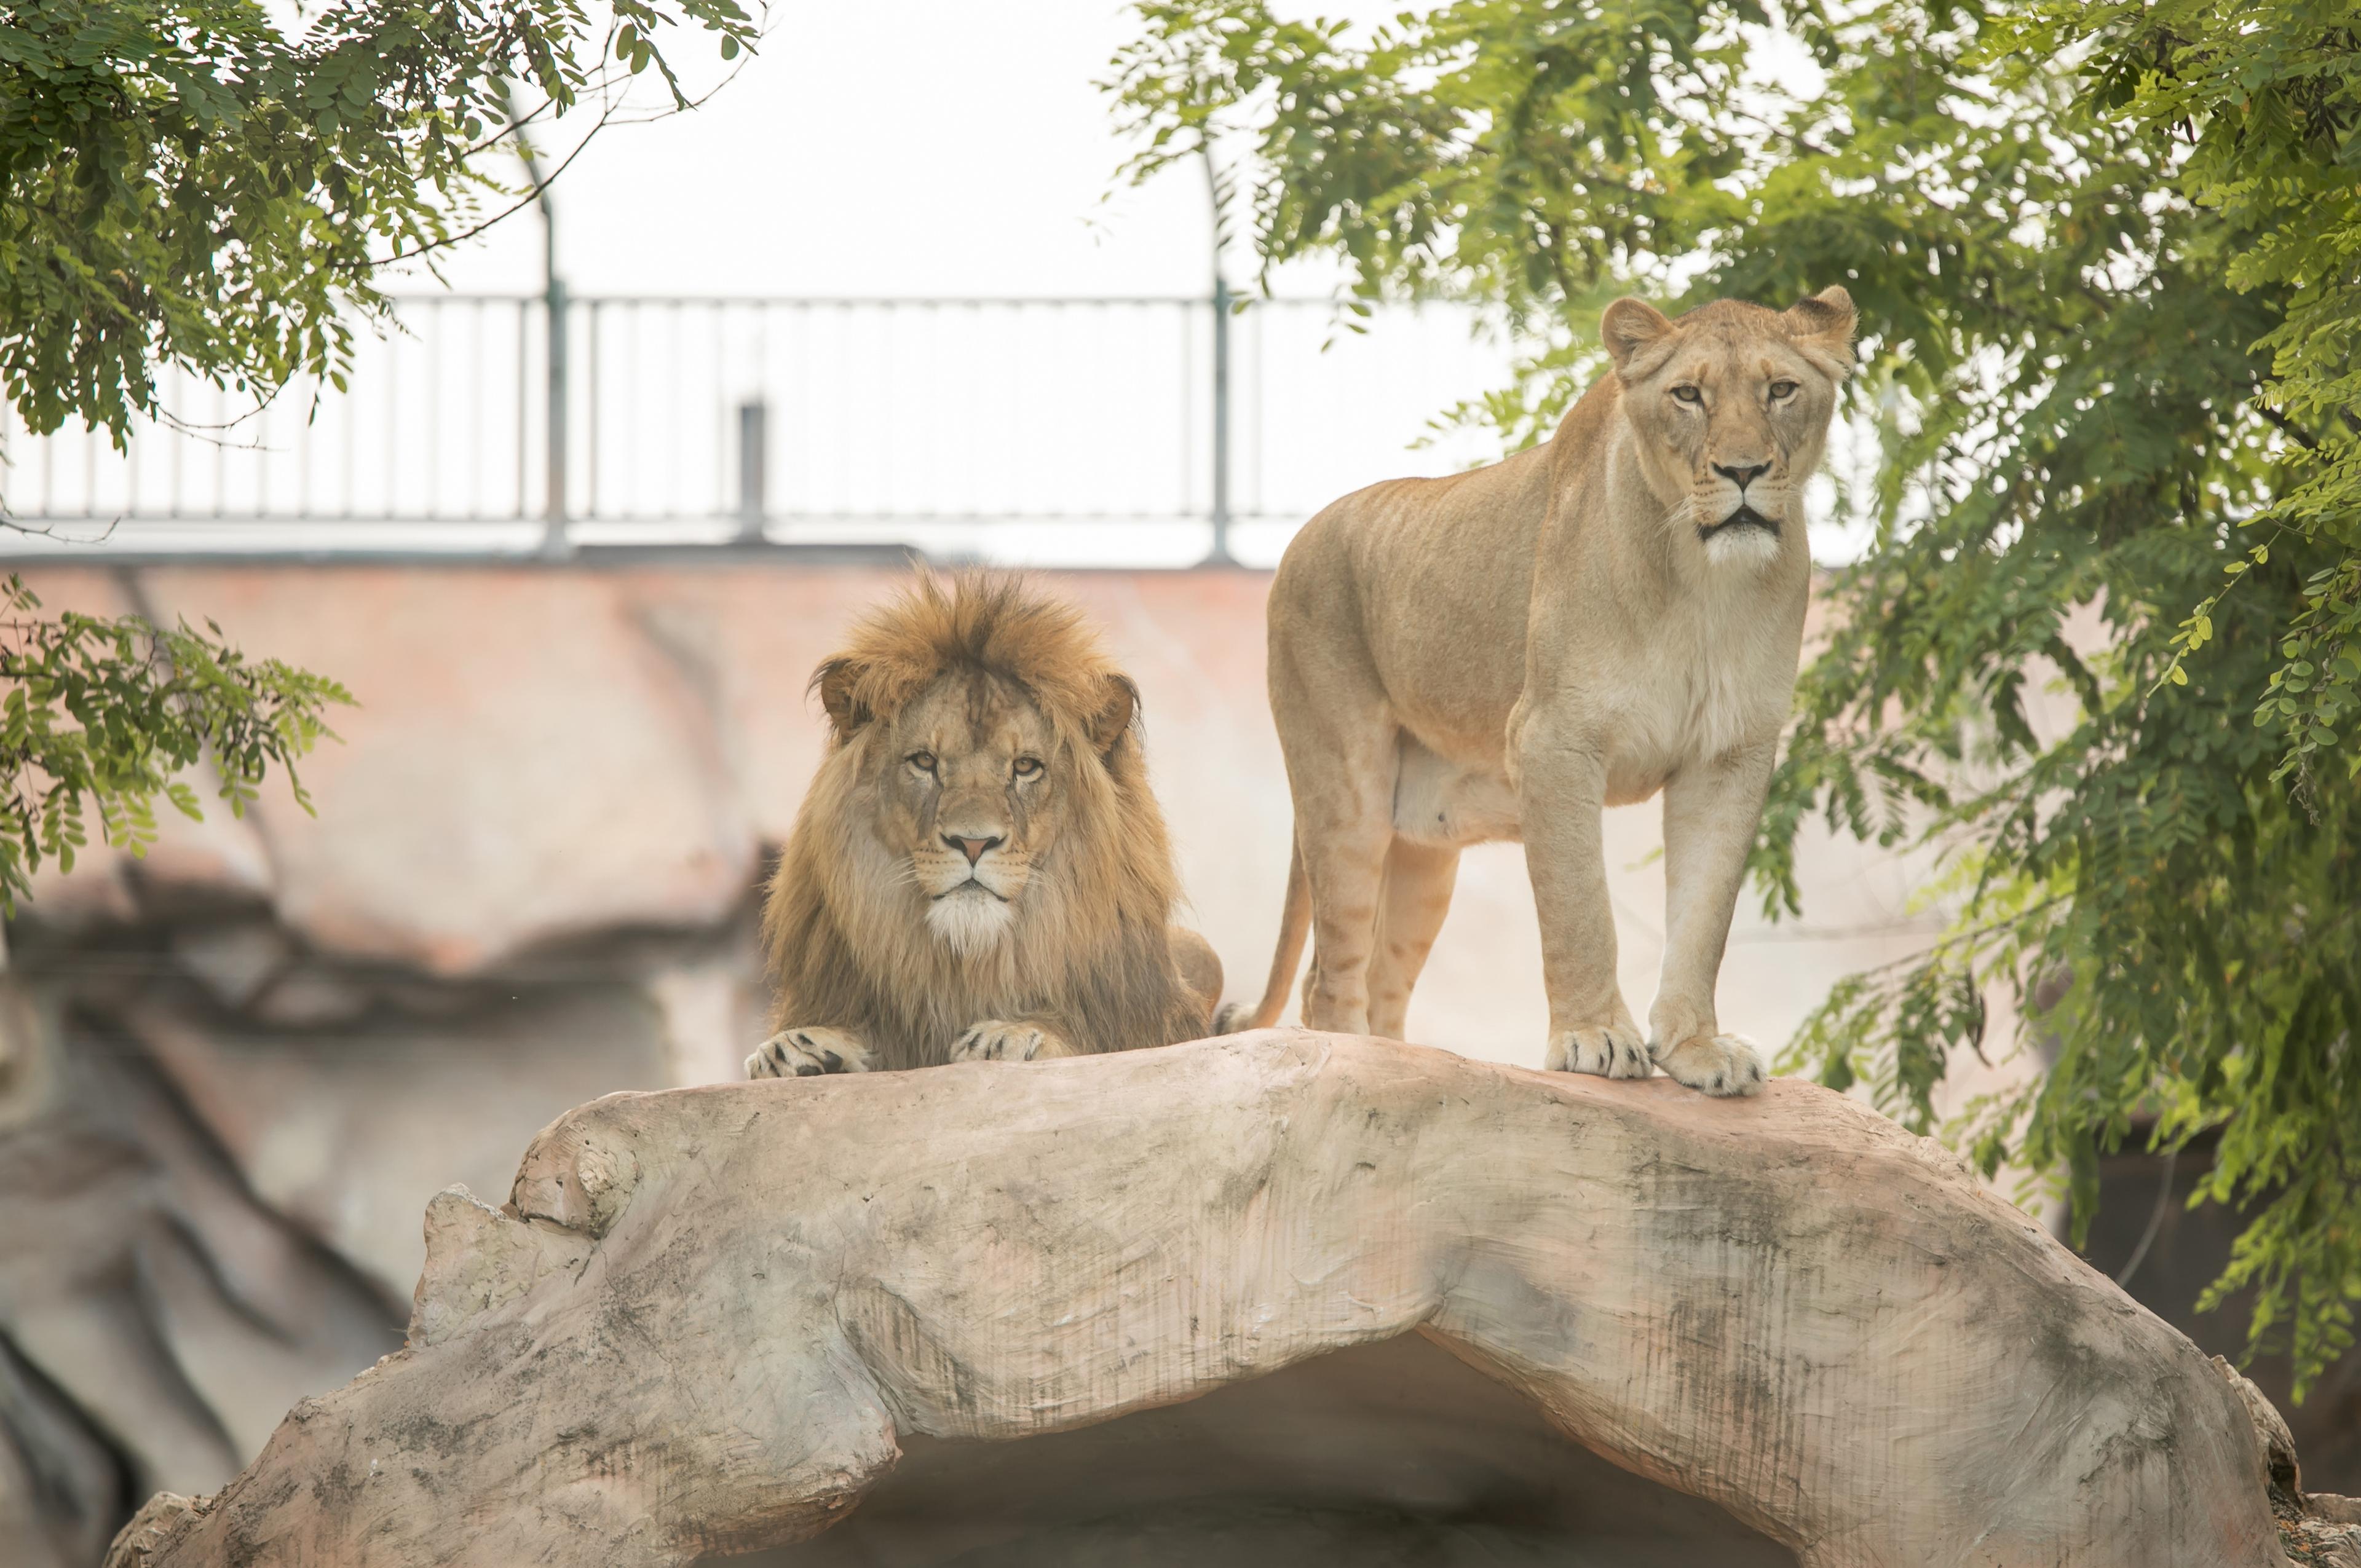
{"points": [[1501, 653], [892, 940]]}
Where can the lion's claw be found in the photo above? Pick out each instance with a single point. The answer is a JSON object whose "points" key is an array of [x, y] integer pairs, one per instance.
{"points": [[1717, 1064], [808, 1053], [1615, 1050]]}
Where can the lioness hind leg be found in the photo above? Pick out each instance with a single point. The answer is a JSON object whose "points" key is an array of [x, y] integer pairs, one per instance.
{"points": [[1343, 784], [1419, 880], [808, 1052]]}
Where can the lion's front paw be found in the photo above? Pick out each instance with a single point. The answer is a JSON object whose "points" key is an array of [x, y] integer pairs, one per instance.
{"points": [[993, 1040], [808, 1053], [1614, 1050], [1717, 1064]]}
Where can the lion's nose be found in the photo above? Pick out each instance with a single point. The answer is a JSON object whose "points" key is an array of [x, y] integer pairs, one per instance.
{"points": [[1741, 474], [973, 849]]}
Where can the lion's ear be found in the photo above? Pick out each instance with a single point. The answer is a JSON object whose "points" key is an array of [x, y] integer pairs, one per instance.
{"points": [[1629, 326], [1822, 326], [834, 681], [1108, 725]]}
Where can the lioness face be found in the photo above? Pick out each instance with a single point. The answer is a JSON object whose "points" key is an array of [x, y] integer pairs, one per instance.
{"points": [[1733, 404], [967, 784]]}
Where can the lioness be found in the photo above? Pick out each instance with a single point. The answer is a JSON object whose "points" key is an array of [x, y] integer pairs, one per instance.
{"points": [[1501, 653], [979, 871]]}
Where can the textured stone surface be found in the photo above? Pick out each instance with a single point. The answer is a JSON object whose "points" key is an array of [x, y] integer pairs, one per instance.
{"points": [[733, 1304]]}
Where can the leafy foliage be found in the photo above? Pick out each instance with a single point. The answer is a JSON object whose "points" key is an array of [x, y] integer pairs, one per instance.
{"points": [[201, 183], [2102, 649], [104, 714]]}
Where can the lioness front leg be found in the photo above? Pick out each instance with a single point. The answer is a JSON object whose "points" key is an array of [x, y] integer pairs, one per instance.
{"points": [[995, 1039], [1711, 810], [1562, 791], [808, 1052]]}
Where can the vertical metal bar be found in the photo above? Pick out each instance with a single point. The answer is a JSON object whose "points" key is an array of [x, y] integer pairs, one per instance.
{"points": [[433, 414], [1188, 314], [524, 358], [552, 539], [347, 403], [1220, 554], [590, 420], [719, 310], [633, 373], [390, 506], [753, 440], [477, 413], [1258, 427], [679, 339], [303, 455]]}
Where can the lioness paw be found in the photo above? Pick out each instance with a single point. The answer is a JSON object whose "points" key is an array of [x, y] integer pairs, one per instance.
{"points": [[808, 1053], [1717, 1064], [1231, 1017], [993, 1040], [1615, 1050]]}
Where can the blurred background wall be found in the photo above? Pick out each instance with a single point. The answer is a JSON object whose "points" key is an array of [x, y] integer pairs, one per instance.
{"points": [[231, 1073]]}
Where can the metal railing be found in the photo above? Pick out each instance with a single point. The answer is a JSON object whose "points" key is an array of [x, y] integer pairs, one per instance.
{"points": [[711, 420]]}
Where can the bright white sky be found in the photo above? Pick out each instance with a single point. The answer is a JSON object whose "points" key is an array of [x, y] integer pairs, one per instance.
{"points": [[931, 148], [911, 146]]}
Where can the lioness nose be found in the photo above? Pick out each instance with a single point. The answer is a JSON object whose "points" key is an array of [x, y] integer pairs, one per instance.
{"points": [[973, 849], [1741, 474]]}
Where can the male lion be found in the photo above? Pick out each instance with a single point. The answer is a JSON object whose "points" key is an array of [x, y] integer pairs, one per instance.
{"points": [[1501, 653], [979, 871]]}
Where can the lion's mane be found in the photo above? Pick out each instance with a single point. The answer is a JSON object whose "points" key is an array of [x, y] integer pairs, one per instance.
{"points": [[1091, 944]]}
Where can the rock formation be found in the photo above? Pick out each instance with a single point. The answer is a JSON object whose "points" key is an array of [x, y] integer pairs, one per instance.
{"points": [[709, 1320]]}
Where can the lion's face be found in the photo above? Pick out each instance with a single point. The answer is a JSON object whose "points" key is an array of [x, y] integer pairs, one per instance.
{"points": [[1731, 405], [972, 787]]}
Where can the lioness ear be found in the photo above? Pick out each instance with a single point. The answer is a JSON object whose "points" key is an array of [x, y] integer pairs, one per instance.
{"points": [[834, 681], [1822, 327], [1630, 325], [1122, 708]]}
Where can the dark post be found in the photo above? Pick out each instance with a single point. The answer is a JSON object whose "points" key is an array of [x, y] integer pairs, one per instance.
{"points": [[753, 443], [552, 540], [552, 536]]}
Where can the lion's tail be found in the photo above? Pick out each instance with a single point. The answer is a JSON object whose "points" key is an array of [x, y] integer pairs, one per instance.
{"points": [[1294, 921]]}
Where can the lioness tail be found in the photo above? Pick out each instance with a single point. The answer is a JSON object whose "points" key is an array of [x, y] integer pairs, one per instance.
{"points": [[1294, 920]]}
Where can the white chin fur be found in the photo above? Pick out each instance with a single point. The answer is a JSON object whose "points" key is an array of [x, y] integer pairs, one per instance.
{"points": [[1742, 547], [970, 922]]}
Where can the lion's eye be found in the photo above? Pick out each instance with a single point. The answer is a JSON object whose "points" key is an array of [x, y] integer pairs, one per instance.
{"points": [[1781, 390], [922, 761], [1027, 767], [1688, 394]]}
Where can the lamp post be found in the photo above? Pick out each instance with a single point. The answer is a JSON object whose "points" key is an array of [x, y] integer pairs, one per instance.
{"points": [[553, 542], [1219, 555]]}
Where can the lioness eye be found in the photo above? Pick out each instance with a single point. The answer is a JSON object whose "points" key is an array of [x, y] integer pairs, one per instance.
{"points": [[1688, 394], [1027, 767], [922, 761], [1783, 390]]}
